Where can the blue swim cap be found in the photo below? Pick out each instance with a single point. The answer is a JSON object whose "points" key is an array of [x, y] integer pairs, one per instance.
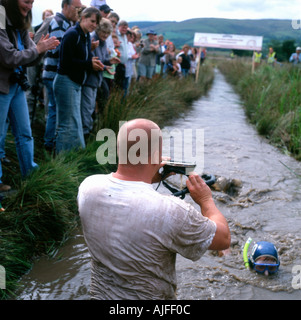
{"points": [[264, 248]]}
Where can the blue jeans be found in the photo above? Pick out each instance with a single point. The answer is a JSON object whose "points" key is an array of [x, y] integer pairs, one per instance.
{"points": [[185, 72], [2, 140], [69, 122], [88, 101], [14, 107], [49, 136]]}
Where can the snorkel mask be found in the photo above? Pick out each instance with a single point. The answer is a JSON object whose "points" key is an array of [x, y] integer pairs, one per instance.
{"points": [[264, 258]]}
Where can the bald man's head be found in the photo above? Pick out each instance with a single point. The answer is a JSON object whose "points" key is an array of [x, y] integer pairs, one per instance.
{"points": [[139, 142]]}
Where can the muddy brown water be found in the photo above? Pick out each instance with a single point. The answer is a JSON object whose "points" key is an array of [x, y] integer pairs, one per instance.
{"points": [[266, 207]]}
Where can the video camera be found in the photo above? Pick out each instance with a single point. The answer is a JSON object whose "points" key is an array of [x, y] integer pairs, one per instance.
{"points": [[178, 167], [184, 168]]}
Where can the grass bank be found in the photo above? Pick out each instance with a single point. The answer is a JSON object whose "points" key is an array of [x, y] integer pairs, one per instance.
{"points": [[42, 212], [272, 99]]}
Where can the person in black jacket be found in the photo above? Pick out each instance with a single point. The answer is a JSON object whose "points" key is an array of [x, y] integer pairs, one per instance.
{"points": [[75, 63], [185, 64]]}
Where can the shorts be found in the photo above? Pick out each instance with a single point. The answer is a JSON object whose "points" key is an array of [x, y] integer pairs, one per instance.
{"points": [[146, 71]]}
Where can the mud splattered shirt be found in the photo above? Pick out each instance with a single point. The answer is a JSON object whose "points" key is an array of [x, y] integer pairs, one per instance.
{"points": [[134, 233]]}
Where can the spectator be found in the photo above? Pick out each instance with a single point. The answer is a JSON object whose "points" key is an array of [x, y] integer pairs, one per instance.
{"points": [[160, 55], [34, 73], [121, 80], [295, 58], [105, 10], [272, 57], [132, 57], [109, 77], [169, 54], [114, 19], [203, 55], [185, 65], [16, 51], [57, 27], [46, 13], [194, 61], [75, 63], [175, 71], [94, 79], [147, 62]]}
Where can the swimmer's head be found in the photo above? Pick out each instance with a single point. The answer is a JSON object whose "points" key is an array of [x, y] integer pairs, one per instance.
{"points": [[264, 258]]}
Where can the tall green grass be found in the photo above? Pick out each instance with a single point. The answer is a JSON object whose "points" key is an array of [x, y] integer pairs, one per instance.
{"points": [[272, 99], [42, 212]]}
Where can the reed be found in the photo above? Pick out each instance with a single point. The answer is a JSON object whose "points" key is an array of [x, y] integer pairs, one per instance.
{"points": [[272, 99], [42, 212]]}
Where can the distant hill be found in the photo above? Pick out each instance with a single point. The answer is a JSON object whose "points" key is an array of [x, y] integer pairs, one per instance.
{"points": [[183, 32]]}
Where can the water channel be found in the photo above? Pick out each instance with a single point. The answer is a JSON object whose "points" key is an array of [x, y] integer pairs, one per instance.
{"points": [[266, 207]]}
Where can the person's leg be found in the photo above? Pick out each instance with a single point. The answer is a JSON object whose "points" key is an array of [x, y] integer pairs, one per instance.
{"points": [[49, 136], [150, 71], [20, 125], [2, 139], [88, 99], [141, 72], [4, 103], [69, 123]]}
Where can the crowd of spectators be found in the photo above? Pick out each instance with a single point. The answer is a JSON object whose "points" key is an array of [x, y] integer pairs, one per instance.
{"points": [[95, 52]]}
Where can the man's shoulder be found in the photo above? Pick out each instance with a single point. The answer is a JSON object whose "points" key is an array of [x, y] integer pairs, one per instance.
{"points": [[94, 180]]}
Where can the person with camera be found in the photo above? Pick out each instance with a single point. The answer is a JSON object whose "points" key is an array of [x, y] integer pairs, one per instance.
{"points": [[147, 61], [17, 51], [134, 232]]}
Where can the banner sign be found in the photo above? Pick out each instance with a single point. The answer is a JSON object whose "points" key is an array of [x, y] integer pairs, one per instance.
{"points": [[228, 41]]}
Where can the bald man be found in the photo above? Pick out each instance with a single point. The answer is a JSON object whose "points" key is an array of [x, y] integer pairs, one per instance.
{"points": [[133, 232]]}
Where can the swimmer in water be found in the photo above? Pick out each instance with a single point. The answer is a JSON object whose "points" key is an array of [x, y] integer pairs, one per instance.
{"points": [[264, 258]]}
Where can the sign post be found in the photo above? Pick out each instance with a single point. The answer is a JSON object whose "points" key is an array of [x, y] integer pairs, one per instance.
{"points": [[228, 41]]}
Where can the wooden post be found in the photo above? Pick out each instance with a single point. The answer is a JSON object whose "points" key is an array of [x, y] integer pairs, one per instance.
{"points": [[198, 67], [253, 62]]}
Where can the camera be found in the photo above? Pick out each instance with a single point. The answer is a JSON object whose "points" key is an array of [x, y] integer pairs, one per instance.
{"points": [[183, 168], [178, 167], [21, 79]]}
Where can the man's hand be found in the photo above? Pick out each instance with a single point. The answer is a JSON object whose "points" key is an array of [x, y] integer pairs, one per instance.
{"points": [[202, 195], [158, 177], [198, 189]]}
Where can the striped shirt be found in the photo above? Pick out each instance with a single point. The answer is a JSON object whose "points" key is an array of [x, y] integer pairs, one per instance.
{"points": [[57, 28]]}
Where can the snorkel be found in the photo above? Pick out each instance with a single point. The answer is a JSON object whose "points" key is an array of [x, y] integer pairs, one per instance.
{"points": [[264, 258], [245, 252]]}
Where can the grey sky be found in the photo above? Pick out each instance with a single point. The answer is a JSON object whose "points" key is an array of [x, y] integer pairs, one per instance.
{"points": [[176, 10]]}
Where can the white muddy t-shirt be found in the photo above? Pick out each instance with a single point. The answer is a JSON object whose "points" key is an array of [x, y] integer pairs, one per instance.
{"points": [[134, 233]]}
